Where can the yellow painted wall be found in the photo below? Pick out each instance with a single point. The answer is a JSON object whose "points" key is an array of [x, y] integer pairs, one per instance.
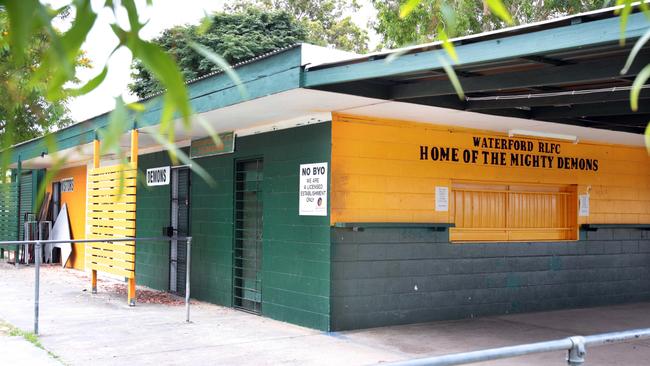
{"points": [[377, 174], [76, 202]]}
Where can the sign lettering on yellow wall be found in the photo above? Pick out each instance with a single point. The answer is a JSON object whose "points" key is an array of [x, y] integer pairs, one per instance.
{"points": [[509, 152], [388, 170]]}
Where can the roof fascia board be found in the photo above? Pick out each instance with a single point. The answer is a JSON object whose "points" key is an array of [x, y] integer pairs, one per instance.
{"points": [[271, 75], [579, 35]]}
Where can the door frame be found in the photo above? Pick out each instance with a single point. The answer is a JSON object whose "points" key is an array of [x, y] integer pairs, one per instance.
{"points": [[173, 243], [236, 162]]}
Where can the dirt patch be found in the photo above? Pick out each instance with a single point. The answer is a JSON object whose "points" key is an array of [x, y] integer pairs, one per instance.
{"points": [[144, 296]]}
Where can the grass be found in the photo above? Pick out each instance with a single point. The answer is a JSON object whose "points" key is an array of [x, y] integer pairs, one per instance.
{"points": [[13, 331]]}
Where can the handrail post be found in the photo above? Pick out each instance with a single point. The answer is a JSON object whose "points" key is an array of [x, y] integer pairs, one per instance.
{"points": [[188, 264], [37, 275], [577, 352]]}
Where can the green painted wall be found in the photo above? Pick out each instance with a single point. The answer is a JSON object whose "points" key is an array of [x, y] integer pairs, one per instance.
{"points": [[152, 214], [296, 249]]}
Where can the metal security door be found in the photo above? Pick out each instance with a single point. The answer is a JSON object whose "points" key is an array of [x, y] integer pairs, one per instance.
{"points": [[247, 283], [56, 200], [26, 201], [180, 222]]}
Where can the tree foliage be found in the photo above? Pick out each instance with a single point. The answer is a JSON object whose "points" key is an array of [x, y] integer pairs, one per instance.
{"points": [[328, 22], [236, 37], [463, 17], [25, 112]]}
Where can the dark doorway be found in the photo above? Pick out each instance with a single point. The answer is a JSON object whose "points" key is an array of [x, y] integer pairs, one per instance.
{"points": [[180, 222], [247, 281]]}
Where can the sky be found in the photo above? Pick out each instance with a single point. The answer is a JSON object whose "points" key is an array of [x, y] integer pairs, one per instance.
{"points": [[101, 41]]}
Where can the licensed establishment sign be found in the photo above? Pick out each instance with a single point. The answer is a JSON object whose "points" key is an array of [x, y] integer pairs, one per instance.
{"points": [[313, 190], [207, 147]]}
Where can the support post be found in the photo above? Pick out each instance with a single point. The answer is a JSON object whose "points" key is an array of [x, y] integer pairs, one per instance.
{"points": [[576, 356], [188, 264], [131, 296], [37, 275], [19, 174], [134, 148], [134, 164], [96, 155]]}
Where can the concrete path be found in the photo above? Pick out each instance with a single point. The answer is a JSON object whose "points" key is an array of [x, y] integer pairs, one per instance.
{"points": [[16, 350], [86, 329]]}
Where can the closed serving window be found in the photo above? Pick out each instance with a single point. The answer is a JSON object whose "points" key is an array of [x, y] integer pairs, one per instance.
{"points": [[513, 212]]}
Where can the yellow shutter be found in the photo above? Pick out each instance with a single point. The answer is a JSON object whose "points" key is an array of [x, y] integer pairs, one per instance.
{"points": [[509, 212]]}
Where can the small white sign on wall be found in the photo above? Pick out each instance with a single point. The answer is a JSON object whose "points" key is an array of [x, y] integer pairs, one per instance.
{"points": [[313, 190], [583, 201], [442, 198], [158, 176], [67, 185]]}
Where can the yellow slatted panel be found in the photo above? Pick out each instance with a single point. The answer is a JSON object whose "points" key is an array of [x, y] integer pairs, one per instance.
{"points": [[112, 253], [130, 224], [116, 176], [513, 213], [112, 191], [103, 207], [112, 199], [112, 169], [117, 232], [101, 215], [111, 214], [128, 182], [119, 246], [113, 270]]}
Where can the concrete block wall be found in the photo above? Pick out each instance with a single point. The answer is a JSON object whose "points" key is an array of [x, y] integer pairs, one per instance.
{"points": [[389, 276], [296, 249]]}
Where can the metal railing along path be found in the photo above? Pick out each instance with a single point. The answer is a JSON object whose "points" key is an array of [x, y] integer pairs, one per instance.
{"points": [[37, 263], [576, 347]]}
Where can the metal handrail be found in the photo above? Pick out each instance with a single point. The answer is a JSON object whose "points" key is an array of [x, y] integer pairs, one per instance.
{"points": [[37, 263], [576, 347]]}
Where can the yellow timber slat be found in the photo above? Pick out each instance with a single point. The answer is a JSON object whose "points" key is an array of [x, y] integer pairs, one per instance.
{"points": [[113, 261], [127, 224], [97, 215], [128, 257], [112, 176], [112, 199], [117, 247], [115, 191], [118, 206], [128, 182], [114, 231], [112, 169], [113, 270]]}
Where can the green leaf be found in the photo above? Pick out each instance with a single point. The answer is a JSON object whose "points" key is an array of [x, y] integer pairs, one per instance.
{"points": [[408, 7], [21, 17], [448, 46], [395, 55], [639, 81], [453, 78], [223, 64], [163, 67], [624, 14], [194, 166], [138, 107], [90, 85], [117, 124], [205, 25], [635, 50], [497, 8]]}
